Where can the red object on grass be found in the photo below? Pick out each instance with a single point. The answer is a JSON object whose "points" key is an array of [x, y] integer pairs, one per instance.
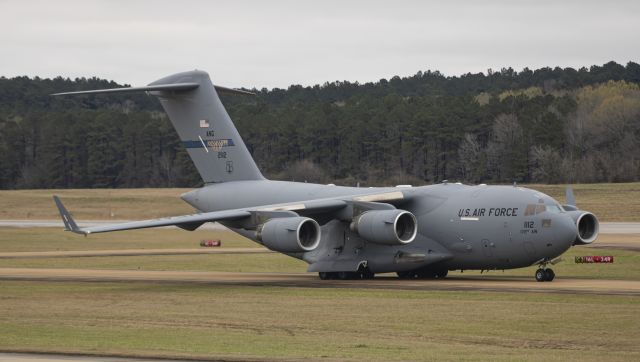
{"points": [[211, 242]]}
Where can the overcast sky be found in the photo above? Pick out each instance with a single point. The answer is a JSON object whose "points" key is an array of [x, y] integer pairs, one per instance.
{"points": [[278, 43]]}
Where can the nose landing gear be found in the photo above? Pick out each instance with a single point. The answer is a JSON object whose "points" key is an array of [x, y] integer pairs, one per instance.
{"points": [[545, 275]]}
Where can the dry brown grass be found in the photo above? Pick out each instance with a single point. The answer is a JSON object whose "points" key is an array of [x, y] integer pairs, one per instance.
{"points": [[94, 204]]}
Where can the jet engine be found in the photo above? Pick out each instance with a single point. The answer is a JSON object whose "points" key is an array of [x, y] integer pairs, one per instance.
{"points": [[289, 234], [588, 227], [388, 227]]}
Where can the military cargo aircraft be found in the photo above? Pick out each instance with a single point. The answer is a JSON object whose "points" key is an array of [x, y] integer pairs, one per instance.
{"points": [[353, 232]]}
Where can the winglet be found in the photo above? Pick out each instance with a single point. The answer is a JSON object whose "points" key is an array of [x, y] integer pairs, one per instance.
{"points": [[69, 223], [570, 199]]}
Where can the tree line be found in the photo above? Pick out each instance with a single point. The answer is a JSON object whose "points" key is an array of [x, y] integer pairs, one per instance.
{"points": [[546, 125]]}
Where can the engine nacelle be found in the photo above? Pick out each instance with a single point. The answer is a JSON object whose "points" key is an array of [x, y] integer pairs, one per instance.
{"points": [[289, 234], [389, 227], [588, 227]]}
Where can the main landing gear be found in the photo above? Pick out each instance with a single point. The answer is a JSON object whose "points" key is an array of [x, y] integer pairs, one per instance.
{"points": [[423, 274], [364, 274], [545, 275]]}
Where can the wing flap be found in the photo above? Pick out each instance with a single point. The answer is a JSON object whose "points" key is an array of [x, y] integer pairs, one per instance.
{"points": [[187, 221]]}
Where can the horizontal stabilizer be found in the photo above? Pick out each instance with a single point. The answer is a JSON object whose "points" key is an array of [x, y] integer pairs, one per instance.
{"points": [[175, 87], [221, 89], [179, 87]]}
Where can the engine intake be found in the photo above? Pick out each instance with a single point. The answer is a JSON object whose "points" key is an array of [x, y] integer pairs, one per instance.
{"points": [[588, 227], [289, 234], [388, 227]]}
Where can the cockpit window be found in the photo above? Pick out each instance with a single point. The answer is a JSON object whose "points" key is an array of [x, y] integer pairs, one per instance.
{"points": [[553, 206], [535, 209], [530, 210], [554, 209]]}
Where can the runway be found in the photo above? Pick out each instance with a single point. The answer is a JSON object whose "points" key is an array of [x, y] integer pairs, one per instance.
{"points": [[605, 227], [629, 242], [308, 280], [620, 228]]}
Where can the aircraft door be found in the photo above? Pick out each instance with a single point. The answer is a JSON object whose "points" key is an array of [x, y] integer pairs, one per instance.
{"points": [[487, 247]]}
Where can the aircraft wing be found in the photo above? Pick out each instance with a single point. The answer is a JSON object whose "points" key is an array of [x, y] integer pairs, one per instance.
{"points": [[189, 222], [193, 221]]}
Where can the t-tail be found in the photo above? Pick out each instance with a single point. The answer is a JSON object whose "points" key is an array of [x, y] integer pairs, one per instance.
{"points": [[203, 125]]}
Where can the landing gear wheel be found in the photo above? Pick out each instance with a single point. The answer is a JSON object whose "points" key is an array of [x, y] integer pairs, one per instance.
{"points": [[344, 275], [367, 274], [324, 275], [426, 274], [549, 274], [406, 275], [541, 275], [441, 274]]}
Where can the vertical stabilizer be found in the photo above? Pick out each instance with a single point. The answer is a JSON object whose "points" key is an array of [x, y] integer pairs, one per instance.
{"points": [[206, 130]]}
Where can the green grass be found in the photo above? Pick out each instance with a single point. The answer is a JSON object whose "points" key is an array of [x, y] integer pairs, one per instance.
{"points": [[610, 202], [297, 323]]}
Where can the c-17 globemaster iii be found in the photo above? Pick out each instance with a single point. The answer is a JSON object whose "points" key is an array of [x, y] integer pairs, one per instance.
{"points": [[353, 232]]}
